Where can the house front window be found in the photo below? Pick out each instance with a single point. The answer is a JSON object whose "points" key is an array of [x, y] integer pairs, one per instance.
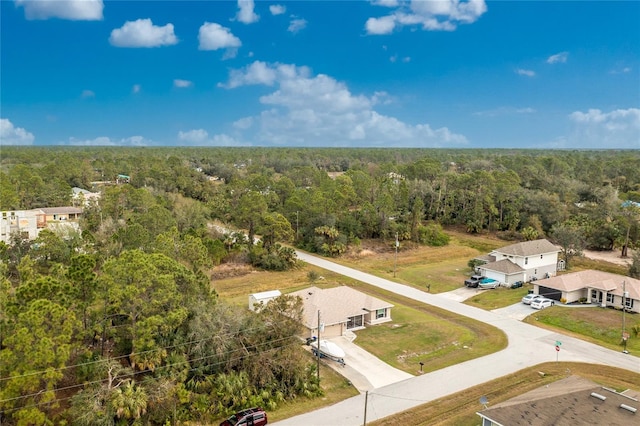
{"points": [[381, 313], [354, 322], [526, 260], [628, 303], [610, 297]]}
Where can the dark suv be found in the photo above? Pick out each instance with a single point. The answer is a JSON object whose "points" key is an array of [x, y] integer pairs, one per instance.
{"points": [[473, 281], [250, 417]]}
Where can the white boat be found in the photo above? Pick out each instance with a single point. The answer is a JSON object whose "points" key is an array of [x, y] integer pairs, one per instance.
{"points": [[329, 349]]}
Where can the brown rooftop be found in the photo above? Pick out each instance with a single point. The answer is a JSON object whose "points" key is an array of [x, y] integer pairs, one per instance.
{"points": [[572, 401]]}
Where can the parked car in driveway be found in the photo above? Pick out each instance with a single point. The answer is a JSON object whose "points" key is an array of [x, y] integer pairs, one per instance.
{"points": [[542, 303], [530, 298], [473, 281], [250, 417]]}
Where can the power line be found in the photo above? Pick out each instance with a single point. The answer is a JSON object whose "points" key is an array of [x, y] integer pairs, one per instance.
{"points": [[136, 373], [66, 367]]}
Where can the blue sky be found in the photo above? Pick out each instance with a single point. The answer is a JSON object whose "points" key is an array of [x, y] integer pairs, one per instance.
{"points": [[384, 73]]}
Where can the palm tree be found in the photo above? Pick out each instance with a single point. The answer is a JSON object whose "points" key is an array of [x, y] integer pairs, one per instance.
{"points": [[129, 401]]}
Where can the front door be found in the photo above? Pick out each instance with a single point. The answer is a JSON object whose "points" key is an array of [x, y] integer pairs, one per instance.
{"points": [[596, 296]]}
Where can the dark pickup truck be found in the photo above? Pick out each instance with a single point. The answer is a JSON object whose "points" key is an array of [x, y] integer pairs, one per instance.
{"points": [[473, 281]]}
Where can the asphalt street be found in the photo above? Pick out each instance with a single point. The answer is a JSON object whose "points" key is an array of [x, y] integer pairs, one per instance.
{"points": [[528, 345]]}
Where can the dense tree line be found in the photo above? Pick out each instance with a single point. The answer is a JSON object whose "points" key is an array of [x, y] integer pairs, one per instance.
{"points": [[121, 317]]}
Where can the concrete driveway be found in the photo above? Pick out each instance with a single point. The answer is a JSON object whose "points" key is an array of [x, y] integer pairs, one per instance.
{"points": [[363, 370], [518, 311]]}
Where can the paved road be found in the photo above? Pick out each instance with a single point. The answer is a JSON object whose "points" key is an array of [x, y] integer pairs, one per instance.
{"points": [[528, 345]]}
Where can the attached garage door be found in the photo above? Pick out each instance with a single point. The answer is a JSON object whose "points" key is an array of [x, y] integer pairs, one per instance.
{"points": [[550, 293]]}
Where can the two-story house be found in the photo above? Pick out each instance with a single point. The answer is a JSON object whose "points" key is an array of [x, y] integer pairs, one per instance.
{"points": [[525, 261]]}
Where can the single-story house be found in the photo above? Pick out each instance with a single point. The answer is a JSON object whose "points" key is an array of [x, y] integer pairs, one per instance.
{"points": [[258, 300], [567, 402], [525, 261], [603, 288], [341, 309]]}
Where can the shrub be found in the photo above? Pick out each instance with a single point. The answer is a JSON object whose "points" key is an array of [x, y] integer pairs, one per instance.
{"points": [[563, 300]]}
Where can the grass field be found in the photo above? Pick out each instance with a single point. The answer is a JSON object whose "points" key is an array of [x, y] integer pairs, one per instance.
{"points": [[498, 298], [593, 324], [459, 409]]}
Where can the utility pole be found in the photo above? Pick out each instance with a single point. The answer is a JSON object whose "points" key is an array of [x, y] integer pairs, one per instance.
{"points": [[624, 308], [395, 261], [366, 398], [296, 225]]}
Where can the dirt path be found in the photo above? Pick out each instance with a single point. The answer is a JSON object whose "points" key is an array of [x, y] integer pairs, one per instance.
{"points": [[609, 256]]}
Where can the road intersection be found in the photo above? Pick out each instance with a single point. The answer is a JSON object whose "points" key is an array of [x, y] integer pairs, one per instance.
{"points": [[528, 345]]}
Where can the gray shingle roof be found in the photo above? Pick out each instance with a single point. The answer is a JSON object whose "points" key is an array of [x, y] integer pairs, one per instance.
{"points": [[505, 266], [528, 248], [567, 402]]}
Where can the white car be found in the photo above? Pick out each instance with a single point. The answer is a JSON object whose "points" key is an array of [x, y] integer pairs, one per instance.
{"points": [[530, 298], [542, 303]]}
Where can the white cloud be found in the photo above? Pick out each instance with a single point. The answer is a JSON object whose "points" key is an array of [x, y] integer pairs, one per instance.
{"points": [[624, 70], [11, 135], [385, 3], [243, 123], [136, 88], [86, 94], [317, 110], [442, 15], [528, 73], [106, 141], [73, 10], [558, 58], [297, 24], [596, 129], [142, 33], [214, 36], [200, 137], [262, 73], [277, 9], [182, 83], [245, 13], [193, 136], [384, 25]]}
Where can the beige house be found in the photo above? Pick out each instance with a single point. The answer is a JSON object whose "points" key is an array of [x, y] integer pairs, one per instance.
{"points": [[599, 287], [54, 214], [341, 309], [571, 401]]}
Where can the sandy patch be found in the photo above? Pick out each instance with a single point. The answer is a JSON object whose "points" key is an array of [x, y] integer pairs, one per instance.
{"points": [[609, 256]]}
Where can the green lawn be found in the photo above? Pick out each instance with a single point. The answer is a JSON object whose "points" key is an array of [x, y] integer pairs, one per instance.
{"points": [[498, 298], [593, 324], [414, 337]]}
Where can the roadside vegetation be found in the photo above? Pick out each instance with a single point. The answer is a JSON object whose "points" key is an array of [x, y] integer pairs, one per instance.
{"points": [[459, 409]]}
